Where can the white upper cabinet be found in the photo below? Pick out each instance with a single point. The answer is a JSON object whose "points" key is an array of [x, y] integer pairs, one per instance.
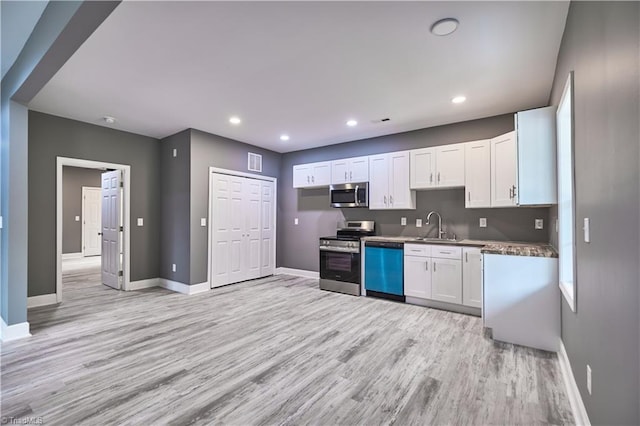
{"points": [[537, 181], [423, 168], [438, 167], [350, 170], [477, 174], [312, 175], [504, 172], [389, 182]]}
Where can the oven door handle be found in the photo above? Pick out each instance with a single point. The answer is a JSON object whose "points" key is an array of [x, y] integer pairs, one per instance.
{"points": [[340, 249]]}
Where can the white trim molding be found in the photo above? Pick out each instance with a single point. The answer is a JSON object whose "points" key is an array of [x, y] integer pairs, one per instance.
{"points": [[184, 288], [297, 272], [42, 300], [573, 393], [139, 285], [67, 256], [14, 332]]}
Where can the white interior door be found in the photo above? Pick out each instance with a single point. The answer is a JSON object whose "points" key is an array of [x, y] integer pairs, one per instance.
{"points": [[267, 250], [252, 227], [91, 221], [111, 225]]}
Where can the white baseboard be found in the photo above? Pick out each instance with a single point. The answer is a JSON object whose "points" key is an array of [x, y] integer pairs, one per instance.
{"points": [[573, 393], [139, 285], [184, 288], [67, 256], [14, 332], [297, 272], [42, 300]]}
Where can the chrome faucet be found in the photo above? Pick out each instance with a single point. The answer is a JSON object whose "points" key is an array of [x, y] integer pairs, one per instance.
{"points": [[440, 231]]}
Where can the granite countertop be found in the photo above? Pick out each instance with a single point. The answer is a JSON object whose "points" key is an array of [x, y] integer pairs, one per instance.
{"points": [[509, 248]]}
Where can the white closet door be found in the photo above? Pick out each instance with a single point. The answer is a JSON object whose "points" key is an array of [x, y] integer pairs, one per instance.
{"points": [[111, 234], [267, 249], [252, 199], [228, 228]]}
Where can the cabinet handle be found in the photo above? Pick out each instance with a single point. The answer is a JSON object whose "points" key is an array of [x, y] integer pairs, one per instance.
{"points": [[391, 199], [434, 266], [350, 175], [511, 193], [466, 257], [313, 179], [469, 196], [431, 178], [438, 177], [427, 265], [385, 200], [345, 175], [514, 192], [308, 179]]}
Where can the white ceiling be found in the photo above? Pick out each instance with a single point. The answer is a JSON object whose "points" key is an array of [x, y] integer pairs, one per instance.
{"points": [[304, 68]]}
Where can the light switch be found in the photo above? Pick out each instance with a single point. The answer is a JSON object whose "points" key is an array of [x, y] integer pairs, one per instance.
{"points": [[418, 223], [483, 222], [173, 267], [403, 221], [539, 224], [175, 152], [295, 221], [140, 221], [587, 236], [0, 222], [77, 218], [203, 221]]}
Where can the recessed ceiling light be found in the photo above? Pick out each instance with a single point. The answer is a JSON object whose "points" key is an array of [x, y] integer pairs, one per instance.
{"points": [[458, 99], [284, 137], [352, 123], [444, 27], [109, 120], [235, 120]]}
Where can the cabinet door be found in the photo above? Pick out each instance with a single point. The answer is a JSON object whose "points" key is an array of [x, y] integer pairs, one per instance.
{"points": [[400, 194], [503, 170], [446, 280], [378, 182], [423, 168], [301, 175], [321, 174], [339, 171], [477, 175], [450, 165], [472, 277], [417, 277], [359, 169]]}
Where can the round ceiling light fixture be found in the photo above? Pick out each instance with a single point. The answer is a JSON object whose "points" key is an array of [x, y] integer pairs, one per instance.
{"points": [[459, 99], [284, 138], [235, 120], [444, 26], [352, 123], [109, 120]]}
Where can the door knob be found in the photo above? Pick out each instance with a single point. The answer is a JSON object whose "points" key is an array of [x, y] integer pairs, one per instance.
{"points": [[99, 233]]}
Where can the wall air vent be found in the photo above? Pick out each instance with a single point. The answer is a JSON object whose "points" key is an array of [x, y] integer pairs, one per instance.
{"points": [[380, 120], [254, 162]]}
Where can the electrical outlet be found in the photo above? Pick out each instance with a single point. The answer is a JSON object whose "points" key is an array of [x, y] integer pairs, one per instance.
{"points": [[77, 218], [173, 267], [295, 221], [589, 379], [587, 232], [539, 224], [203, 221], [140, 221], [483, 222], [175, 152], [418, 223], [403, 221]]}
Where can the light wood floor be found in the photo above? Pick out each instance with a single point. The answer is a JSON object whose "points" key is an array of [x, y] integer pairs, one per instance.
{"points": [[271, 351]]}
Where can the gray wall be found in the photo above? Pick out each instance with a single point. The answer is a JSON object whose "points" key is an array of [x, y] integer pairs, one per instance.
{"points": [[73, 179], [601, 44], [51, 136], [175, 207], [209, 150], [298, 245]]}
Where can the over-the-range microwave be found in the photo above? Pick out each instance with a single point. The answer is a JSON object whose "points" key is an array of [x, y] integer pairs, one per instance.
{"points": [[349, 195]]}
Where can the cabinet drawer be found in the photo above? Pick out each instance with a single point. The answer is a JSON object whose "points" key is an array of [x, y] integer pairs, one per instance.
{"points": [[421, 250], [446, 252]]}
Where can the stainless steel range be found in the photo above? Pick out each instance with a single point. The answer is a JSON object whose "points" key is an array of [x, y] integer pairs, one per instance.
{"points": [[340, 265]]}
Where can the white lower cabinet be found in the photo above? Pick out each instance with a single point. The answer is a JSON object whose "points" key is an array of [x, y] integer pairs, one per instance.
{"points": [[472, 277], [417, 276], [446, 280]]}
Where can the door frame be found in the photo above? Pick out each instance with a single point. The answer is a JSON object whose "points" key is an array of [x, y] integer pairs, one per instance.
{"points": [[213, 170], [84, 188], [126, 199]]}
